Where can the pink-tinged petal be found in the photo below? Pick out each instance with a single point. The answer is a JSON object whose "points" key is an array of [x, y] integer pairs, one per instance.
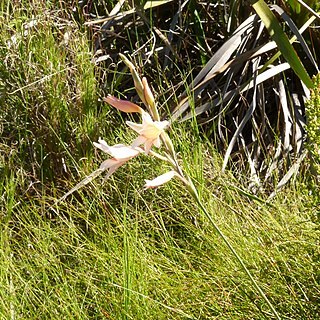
{"points": [[118, 151], [135, 126], [114, 168], [157, 142], [107, 164], [149, 131], [122, 105], [112, 165], [152, 129], [138, 141], [146, 118], [160, 180], [148, 145], [163, 124], [122, 152], [102, 145]]}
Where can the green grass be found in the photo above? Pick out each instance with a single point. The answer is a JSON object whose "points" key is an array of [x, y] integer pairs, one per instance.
{"points": [[312, 127], [114, 250], [133, 254]]}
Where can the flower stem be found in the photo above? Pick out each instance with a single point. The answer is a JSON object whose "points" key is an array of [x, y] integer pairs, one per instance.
{"points": [[195, 195]]}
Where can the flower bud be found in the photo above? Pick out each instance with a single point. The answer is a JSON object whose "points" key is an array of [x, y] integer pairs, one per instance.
{"points": [[149, 98], [168, 143], [147, 92], [122, 105], [136, 78]]}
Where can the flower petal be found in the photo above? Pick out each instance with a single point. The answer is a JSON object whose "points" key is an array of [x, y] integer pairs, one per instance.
{"points": [[157, 142], [138, 141], [152, 129], [118, 151], [135, 126], [112, 165], [146, 118], [122, 152], [160, 180], [149, 131], [107, 164], [148, 145], [114, 168], [122, 105], [102, 145]]}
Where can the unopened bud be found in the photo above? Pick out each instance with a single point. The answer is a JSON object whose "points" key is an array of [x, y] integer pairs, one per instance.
{"points": [[122, 105], [169, 145], [136, 78], [147, 92], [149, 98]]}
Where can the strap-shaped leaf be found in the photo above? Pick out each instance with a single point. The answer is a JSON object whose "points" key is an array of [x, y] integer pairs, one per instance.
{"points": [[282, 41]]}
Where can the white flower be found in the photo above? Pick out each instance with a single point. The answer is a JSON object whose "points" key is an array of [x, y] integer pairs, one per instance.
{"points": [[120, 154], [160, 180], [149, 132]]}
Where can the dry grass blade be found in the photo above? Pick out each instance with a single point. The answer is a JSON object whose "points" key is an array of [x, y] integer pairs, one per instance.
{"points": [[292, 171], [223, 93], [116, 14], [224, 53], [155, 3], [245, 119], [215, 64], [287, 119], [266, 75]]}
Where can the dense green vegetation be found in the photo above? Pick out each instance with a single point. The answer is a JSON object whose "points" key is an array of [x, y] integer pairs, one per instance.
{"points": [[113, 250], [313, 126]]}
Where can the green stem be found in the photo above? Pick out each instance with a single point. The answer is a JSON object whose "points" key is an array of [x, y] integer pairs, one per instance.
{"points": [[194, 193]]}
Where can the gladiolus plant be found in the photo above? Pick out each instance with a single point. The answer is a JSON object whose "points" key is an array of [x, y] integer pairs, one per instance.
{"points": [[151, 133]]}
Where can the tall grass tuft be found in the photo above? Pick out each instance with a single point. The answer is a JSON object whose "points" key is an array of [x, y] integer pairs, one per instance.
{"points": [[313, 126], [49, 108]]}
